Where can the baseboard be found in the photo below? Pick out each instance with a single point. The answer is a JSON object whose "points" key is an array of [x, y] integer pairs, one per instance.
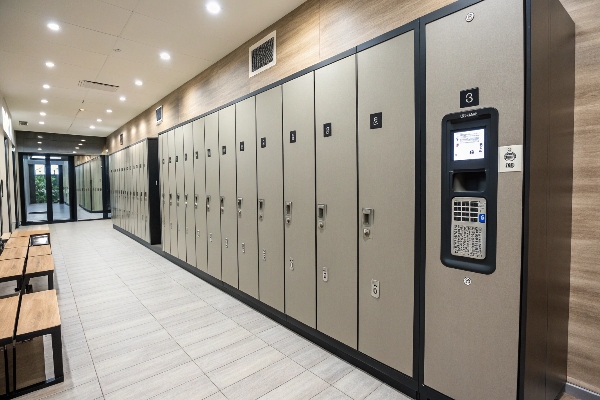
{"points": [[386, 374], [90, 211], [581, 393]]}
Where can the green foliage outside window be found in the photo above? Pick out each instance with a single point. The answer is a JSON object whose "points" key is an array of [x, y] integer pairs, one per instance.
{"points": [[40, 188]]}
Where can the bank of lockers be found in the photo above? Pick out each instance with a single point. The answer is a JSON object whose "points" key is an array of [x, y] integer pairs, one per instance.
{"points": [[88, 177]]}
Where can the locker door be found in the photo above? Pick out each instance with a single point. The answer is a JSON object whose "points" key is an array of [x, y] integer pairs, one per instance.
{"points": [[213, 210], [161, 156], [247, 194], [172, 193], [335, 102], [144, 190], [190, 217], [165, 193], [200, 194], [180, 200], [299, 184], [269, 173], [136, 194], [386, 250], [228, 196]]}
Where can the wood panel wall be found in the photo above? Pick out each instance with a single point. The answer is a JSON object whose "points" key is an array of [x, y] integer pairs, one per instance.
{"points": [[319, 29]]}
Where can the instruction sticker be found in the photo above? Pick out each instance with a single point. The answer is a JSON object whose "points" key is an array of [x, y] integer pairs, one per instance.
{"points": [[510, 158]]}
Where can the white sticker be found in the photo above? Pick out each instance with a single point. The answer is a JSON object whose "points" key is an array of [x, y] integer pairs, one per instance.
{"points": [[510, 158]]}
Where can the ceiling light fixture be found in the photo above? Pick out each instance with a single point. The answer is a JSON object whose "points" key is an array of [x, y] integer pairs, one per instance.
{"points": [[49, 64], [213, 7], [108, 111], [80, 144], [83, 140], [98, 120], [42, 122], [165, 56], [92, 127], [138, 82], [44, 101], [46, 86], [39, 149], [74, 152], [39, 142], [122, 98], [76, 148], [39, 137], [43, 114], [54, 26]]}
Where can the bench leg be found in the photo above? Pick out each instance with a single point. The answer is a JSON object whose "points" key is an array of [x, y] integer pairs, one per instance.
{"points": [[57, 354], [51, 281], [6, 378]]}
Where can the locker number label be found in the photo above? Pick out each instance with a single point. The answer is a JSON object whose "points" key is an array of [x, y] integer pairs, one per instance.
{"points": [[325, 274], [293, 137], [375, 288], [376, 122], [263, 142], [327, 129], [224, 150], [469, 98], [208, 152], [241, 146]]}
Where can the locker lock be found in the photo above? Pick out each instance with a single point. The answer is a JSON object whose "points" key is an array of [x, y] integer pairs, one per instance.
{"points": [[170, 199], [367, 221], [321, 215], [177, 197], [196, 201], [239, 206], [186, 197], [222, 204], [291, 264], [261, 208], [208, 203], [288, 212], [198, 233]]}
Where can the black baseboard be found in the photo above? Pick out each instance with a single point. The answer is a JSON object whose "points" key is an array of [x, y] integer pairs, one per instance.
{"points": [[390, 376], [90, 211]]}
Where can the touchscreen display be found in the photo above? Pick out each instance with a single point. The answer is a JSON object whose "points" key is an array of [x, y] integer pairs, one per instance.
{"points": [[469, 145]]}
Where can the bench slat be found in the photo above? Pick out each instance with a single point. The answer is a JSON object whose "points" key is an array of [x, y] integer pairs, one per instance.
{"points": [[8, 313], [39, 311], [39, 264], [11, 254], [11, 268], [44, 250]]}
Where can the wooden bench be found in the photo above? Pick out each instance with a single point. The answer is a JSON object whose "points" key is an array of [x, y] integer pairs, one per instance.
{"points": [[8, 316], [11, 270], [44, 250], [29, 232], [14, 253], [40, 266], [17, 242]]}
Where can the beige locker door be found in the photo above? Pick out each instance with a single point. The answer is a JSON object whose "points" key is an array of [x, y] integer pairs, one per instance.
{"points": [[472, 331], [136, 190], [386, 85], [144, 182], [161, 187], [200, 194], [269, 173], [228, 195], [172, 194], [247, 196], [335, 102], [179, 198], [190, 214], [299, 184], [213, 214], [165, 193]]}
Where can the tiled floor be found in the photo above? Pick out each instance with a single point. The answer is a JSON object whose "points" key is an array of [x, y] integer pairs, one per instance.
{"points": [[59, 211], [136, 326]]}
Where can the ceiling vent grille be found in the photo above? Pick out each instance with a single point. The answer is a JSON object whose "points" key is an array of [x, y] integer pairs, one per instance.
{"points": [[24, 123], [263, 55], [98, 86]]}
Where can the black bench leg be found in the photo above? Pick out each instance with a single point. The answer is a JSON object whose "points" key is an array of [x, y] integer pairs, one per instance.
{"points": [[57, 354], [51, 281], [6, 378]]}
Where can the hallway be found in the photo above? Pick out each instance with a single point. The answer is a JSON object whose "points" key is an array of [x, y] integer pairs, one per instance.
{"points": [[136, 326]]}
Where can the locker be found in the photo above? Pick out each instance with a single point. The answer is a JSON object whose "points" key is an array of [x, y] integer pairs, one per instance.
{"points": [[228, 196], [190, 216], [172, 193], [164, 192], [179, 197], [247, 200], [269, 173], [200, 194], [386, 142], [336, 177], [144, 192], [213, 210], [299, 199]]}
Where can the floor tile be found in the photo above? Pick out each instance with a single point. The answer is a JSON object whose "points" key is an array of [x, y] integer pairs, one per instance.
{"points": [[229, 354], [332, 369], [303, 386], [310, 356], [384, 392], [357, 384], [331, 393], [198, 388]]}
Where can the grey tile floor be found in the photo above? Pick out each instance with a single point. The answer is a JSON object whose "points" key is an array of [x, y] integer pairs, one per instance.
{"points": [[136, 326]]}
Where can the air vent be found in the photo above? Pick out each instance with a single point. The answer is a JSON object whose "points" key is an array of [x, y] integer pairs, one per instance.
{"points": [[98, 86], [24, 123], [263, 55]]}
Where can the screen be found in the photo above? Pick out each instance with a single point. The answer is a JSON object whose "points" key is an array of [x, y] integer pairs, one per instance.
{"points": [[469, 145]]}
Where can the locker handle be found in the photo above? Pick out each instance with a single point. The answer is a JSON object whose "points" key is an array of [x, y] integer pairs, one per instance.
{"points": [[170, 199], [368, 215], [177, 197], [196, 201], [186, 197], [222, 204], [288, 212], [239, 206], [321, 215], [261, 208], [208, 203]]}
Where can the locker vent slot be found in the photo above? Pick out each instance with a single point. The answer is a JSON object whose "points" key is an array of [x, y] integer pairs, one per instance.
{"points": [[263, 55]]}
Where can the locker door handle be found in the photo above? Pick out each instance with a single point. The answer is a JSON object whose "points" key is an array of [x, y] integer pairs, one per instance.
{"points": [[261, 208], [170, 199], [239, 206], [185, 197], [177, 199], [195, 201], [321, 215], [222, 204], [288, 212], [208, 203], [367, 221]]}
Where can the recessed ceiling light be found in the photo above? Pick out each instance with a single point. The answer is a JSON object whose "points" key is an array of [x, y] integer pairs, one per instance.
{"points": [[213, 7], [98, 120], [39, 137], [39, 142], [122, 98], [165, 56], [138, 82], [92, 127], [80, 144], [42, 122], [82, 109], [76, 148], [46, 86], [44, 101], [39, 148], [43, 114], [108, 111], [83, 140], [54, 26], [49, 64], [74, 152]]}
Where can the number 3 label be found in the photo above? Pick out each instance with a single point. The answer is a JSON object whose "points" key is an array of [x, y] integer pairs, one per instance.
{"points": [[469, 98]]}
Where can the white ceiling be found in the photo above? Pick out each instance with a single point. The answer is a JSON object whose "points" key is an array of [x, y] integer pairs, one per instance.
{"points": [[83, 50]]}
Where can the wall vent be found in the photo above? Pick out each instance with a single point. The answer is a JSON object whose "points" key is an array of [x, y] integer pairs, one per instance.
{"points": [[24, 123], [98, 86], [159, 115], [263, 55]]}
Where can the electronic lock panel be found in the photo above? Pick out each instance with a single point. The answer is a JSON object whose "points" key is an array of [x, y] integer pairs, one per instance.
{"points": [[190, 214], [200, 194], [469, 190]]}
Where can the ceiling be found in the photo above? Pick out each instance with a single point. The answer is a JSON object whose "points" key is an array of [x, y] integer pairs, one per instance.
{"points": [[83, 49]]}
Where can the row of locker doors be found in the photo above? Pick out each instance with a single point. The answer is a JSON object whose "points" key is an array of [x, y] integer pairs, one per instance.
{"points": [[129, 189], [284, 197]]}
